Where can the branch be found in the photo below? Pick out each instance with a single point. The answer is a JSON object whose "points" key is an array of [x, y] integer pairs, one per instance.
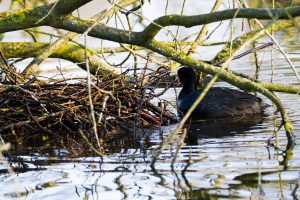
{"points": [[77, 25], [203, 32], [64, 7], [225, 53], [74, 54], [30, 17], [189, 21], [227, 76], [33, 66], [69, 52], [27, 18]]}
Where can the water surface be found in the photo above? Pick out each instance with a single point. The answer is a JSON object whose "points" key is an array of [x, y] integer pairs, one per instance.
{"points": [[219, 160]]}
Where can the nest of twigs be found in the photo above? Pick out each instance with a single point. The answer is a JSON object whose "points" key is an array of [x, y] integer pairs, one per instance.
{"points": [[58, 108]]}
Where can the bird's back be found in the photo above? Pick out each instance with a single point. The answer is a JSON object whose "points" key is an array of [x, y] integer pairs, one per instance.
{"points": [[221, 103]]}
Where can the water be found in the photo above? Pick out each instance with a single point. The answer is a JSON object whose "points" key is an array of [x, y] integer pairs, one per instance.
{"points": [[218, 160]]}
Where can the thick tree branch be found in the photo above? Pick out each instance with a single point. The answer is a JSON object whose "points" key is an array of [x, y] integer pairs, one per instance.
{"points": [[138, 38], [24, 18], [75, 54], [69, 52], [64, 7], [190, 21], [27, 18], [99, 31]]}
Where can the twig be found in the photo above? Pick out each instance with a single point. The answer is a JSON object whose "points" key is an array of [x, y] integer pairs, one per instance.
{"points": [[246, 53]]}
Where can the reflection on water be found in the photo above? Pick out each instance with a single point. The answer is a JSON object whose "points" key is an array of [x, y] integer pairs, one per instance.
{"points": [[219, 160], [221, 128]]}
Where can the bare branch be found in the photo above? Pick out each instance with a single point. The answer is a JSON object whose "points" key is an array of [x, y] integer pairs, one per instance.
{"points": [[27, 18], [195, 20], [64, 7]]}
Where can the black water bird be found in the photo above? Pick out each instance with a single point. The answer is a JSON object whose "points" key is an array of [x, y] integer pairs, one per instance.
{"points": [[219, 102]]}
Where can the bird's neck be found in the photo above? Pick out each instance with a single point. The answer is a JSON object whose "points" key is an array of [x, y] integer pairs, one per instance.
{"points": [[188, 87]]}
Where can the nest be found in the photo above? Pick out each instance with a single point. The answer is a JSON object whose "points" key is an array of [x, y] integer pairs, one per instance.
{"points": [[60, 109]]}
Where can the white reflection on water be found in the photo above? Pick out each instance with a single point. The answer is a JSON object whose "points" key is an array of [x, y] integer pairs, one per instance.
{"points": [[215, 163], [207, 165]]}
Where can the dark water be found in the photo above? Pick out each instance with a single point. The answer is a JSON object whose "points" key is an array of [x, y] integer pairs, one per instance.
{"points": [[224, 160]]}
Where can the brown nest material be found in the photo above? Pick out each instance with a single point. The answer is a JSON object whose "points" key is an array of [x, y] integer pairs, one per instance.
{"points": [[57, 108]]}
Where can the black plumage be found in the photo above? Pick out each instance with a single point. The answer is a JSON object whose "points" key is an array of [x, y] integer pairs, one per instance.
{"points": [[219, 102]]}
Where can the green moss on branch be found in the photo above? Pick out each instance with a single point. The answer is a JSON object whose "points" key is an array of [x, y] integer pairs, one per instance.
{"points": [[195, 20], [29, 18], [69, 52]]}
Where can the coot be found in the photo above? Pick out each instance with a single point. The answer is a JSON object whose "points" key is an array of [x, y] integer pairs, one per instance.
{"points": [[219, 102]]}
